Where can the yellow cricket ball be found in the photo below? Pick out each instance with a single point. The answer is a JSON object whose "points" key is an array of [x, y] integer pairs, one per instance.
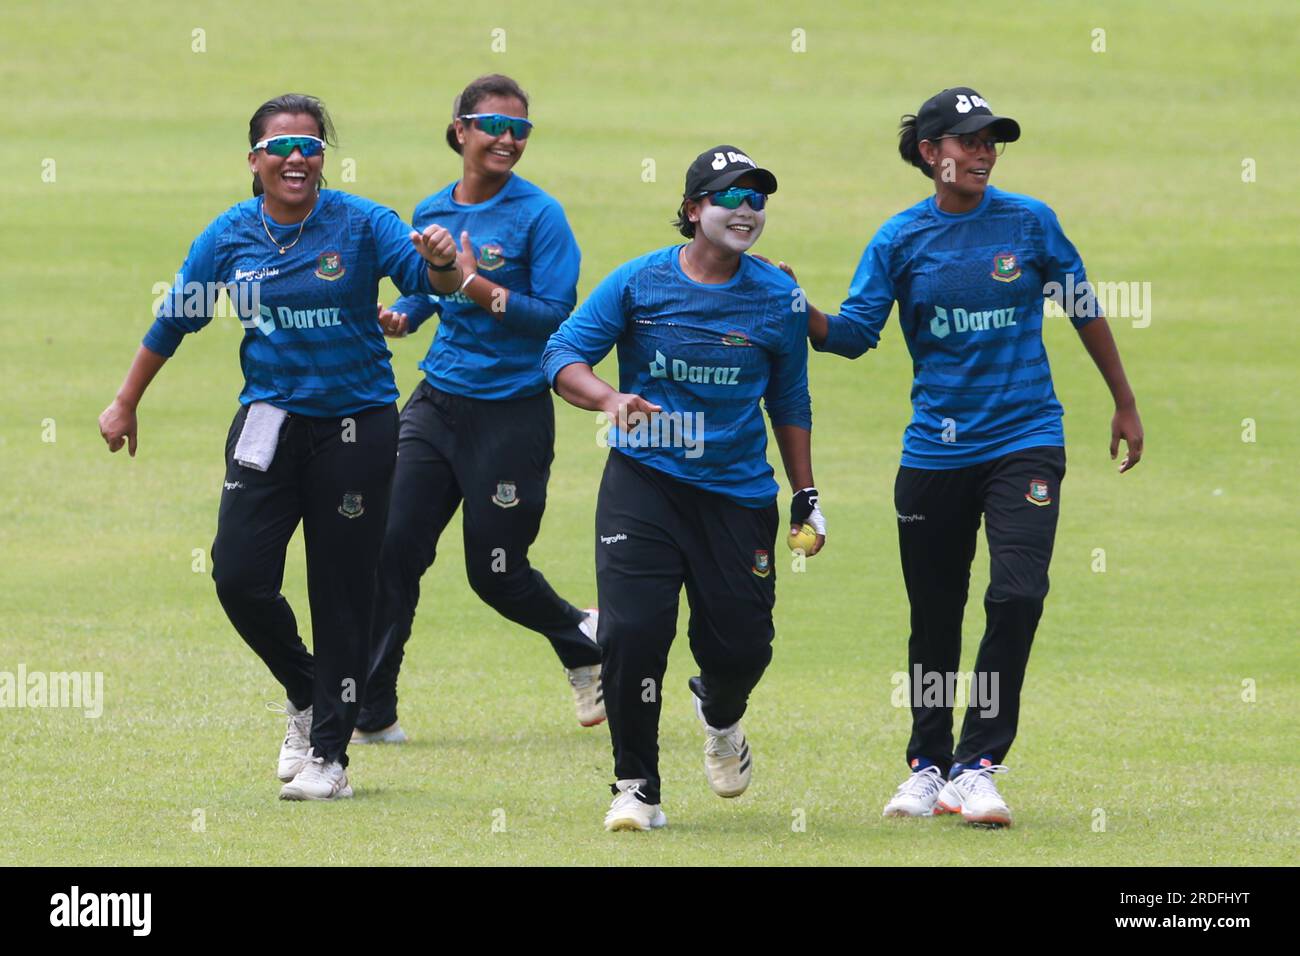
{"points": [[805, 540]]}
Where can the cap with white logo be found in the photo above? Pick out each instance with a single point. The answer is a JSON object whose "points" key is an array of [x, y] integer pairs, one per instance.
{"points": [[961, 110], [719, 167]]}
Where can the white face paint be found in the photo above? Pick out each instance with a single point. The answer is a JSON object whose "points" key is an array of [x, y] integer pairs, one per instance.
{"points": [[727, 227]]}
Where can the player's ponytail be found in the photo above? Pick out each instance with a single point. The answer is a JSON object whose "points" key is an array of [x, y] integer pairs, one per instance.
{"points": [[909, 148], [490, 84]]}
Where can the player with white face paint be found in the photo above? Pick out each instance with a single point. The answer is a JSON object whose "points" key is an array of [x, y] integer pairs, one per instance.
{"points": [[703, 332]]}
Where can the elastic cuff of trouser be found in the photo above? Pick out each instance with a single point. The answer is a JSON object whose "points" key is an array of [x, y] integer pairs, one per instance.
{"points": [[570, 663], [369, 725]]}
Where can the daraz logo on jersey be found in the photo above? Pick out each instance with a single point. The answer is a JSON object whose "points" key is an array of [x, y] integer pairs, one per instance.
{"points": [[679, 371], [963, 320], [265, 320]]}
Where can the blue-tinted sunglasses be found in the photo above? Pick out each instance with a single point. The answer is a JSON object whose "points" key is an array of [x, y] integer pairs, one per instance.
{"points": [[732, 198], [495, 124], [309, 146]]}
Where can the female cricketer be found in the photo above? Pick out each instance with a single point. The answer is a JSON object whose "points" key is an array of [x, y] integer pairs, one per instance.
{"points": [[480, 427], [315, 437], [969, 268], [703, 333]]}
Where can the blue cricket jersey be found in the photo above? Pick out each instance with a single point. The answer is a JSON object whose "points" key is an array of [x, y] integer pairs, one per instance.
{"points": [[970, 289], [704, 353], [312, 344], [523, 243]]}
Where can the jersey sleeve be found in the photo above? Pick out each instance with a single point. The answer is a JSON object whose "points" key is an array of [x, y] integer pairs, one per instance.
{"points": [[417, 309], [192, 300], [553, 264], [786, 398], [863, 314], [1063, 269], [589, 333], [397, 257]]}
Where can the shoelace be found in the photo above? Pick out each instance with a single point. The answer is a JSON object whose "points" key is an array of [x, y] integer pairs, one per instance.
{"points": [[724, 745], [634, 794], [921, 784], [314, 767], [298, 734], [581, 681], [978, 780]]}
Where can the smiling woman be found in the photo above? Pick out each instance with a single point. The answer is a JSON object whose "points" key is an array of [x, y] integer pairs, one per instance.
{"points": [[292, 113], [478, 432], [969, 267], [705, 333], [314, 439]]}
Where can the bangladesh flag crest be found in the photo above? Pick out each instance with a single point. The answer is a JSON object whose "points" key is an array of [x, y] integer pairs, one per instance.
{"points": [[329, 266], [1006, 267], [1038, 493]]}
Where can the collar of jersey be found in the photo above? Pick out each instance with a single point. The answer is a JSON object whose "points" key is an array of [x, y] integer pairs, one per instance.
{"points": [[677, 267], [485, 204], [971, 214]]}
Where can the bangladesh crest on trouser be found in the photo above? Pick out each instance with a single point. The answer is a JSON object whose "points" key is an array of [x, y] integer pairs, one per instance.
{"points": [[1038, 494], [506, 496], [352, 506]]}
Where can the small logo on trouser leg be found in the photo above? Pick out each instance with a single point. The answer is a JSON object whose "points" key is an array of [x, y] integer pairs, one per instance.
{"points": [[506, 495], [1038, 494], [762, 564], [352, 506]]}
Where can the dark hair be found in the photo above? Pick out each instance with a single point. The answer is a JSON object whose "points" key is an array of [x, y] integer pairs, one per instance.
{"points": [[490, 84], [682, 224], [290, 103], [909, 148]]}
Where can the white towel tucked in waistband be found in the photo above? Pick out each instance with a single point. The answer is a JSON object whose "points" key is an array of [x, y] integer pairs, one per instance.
{"points": [[259, 436]]}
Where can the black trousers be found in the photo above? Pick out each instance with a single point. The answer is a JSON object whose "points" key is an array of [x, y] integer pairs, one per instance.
{"points": [[495, 457], [333, 475], [654, 534], [938, 519]]}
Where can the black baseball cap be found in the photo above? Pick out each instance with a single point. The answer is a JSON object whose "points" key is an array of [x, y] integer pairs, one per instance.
{"points": [[719, 167], [961, 110]]}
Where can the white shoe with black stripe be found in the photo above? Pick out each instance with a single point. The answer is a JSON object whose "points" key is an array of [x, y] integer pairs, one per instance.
{"points": [[728, 763]]}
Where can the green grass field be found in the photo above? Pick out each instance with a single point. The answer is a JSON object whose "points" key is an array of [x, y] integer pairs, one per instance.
{"points": [[1134, 701]]}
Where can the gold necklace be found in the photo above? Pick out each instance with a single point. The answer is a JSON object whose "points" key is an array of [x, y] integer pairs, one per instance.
{"points": [[283, 249]]}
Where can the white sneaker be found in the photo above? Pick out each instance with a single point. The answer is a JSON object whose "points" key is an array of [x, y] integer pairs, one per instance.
{"points": [[392, 734], [318, 780], [297, 740], [628, 812], [974, 795], [916, 796], [728, 764], [588, 694]]}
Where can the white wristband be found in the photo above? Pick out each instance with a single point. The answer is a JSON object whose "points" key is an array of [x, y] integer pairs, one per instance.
{"points": [[467, 281]]}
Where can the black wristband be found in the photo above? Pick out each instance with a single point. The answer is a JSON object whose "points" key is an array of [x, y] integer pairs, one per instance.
{"points": [[447, 268], [802, 506]]}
